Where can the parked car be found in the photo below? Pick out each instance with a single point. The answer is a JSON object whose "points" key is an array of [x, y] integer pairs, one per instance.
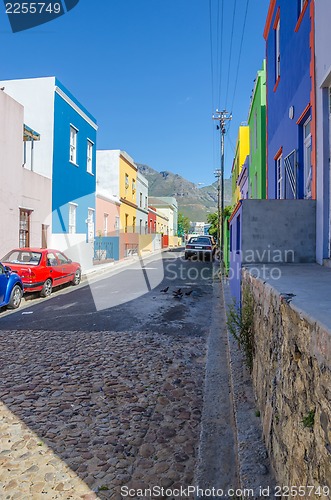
{"points": [[41, 269], [11, 288], [200, 247]]}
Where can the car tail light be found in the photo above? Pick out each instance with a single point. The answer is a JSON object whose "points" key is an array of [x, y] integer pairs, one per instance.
{"points": [[208, 248], [28, 274], [189, 246]]}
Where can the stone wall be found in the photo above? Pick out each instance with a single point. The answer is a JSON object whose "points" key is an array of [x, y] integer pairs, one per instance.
{"points": [[292, 379]]}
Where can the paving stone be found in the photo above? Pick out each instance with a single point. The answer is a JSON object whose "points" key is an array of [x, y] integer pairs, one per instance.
{"points": [[97, 409]]}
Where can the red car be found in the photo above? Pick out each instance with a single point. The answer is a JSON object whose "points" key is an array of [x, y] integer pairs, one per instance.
{"points": [[41, 269]]}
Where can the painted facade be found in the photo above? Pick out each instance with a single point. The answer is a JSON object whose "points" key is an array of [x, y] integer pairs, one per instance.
{"points": [[241, 153], [25, 196], [66, 155], [323, 129], [257, 141], [168, 207], [142, 204], [291, 135]]}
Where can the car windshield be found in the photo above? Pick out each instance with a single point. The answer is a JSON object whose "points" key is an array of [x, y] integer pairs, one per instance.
{"points": [[199, 241], [23, 257]]}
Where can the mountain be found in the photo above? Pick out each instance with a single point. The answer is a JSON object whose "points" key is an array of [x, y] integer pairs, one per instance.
{"points": [[194, 202]]}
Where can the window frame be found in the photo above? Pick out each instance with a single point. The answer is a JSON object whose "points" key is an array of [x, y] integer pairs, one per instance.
{"points": [[89, 158], [73, 145], [72, 218]]}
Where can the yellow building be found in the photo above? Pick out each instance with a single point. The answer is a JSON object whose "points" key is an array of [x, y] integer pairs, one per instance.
{"points": [[128, 186], [242, 151]]}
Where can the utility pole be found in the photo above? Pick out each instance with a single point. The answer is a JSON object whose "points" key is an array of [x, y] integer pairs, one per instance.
{"points": [[222, 117]]}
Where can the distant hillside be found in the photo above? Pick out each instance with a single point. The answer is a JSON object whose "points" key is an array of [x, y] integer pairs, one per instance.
{"points": [[194, 202]]}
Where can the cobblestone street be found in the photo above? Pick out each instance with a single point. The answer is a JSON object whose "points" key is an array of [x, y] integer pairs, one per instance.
{"points": [[92, 412], [84, 413]]}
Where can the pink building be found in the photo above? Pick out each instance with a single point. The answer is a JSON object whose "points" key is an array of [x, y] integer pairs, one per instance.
{"points": [[25, 196]]}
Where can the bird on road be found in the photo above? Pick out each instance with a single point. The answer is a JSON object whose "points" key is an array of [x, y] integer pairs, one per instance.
{"points": [[178, 292], [165, 289], [188, 293]]}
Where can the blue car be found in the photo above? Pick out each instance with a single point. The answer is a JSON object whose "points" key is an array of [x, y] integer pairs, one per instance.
{"points": [[11, 288]]}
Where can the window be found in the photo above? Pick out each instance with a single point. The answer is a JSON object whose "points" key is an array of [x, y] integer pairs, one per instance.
{"points": [[141, 200], [61, 258], [51, 260], [24, 235], [89, 165], [279, 178], [307, 158], [72, 218], [146, 202], [117, 223], [255, 129], [133, 186], [126, 223], [105, 224], [73, 144], [126, 183], [140, 226], [133, 224], [238, 234], [277, 47]]}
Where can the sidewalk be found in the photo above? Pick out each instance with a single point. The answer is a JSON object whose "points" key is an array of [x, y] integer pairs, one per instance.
{"points": [[232, 453], [116, 265]]}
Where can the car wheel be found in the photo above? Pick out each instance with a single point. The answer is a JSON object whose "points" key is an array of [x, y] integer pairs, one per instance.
{"points": [[77, 278], [15, 297], [47, 288]]}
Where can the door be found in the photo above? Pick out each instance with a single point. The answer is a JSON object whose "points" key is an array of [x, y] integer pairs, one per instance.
{"points": [[53, 269], [66, 267], [3, 284]]}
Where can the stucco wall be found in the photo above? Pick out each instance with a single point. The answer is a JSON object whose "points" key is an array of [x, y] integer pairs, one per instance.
{"points": [[292, 377]]}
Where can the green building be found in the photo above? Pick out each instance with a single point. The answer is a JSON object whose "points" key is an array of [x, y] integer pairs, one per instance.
{"points": [[257, 132]]}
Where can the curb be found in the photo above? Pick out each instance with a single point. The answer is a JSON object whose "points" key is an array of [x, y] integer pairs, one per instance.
{"points": [[254, 467]]}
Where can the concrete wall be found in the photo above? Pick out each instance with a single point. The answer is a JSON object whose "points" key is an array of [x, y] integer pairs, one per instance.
{"points": [[292, 377], [271, 232], [323, 81], [270, 228]]}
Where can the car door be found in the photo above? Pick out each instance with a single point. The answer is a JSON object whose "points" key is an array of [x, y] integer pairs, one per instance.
{"points": [[53, 268], [66, 267], [3, 284]]}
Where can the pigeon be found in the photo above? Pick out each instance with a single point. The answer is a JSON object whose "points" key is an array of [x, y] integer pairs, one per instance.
{"points": [[286, 297], [188, 293], [178, 294], [165, 289]]}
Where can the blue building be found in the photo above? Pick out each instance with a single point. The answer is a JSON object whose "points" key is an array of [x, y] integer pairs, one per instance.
{"points": [[66, 155], [290, 100]]}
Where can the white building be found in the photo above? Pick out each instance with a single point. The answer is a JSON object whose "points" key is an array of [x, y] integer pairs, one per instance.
{"points": [[142, 203], [25, 196], [169, 208]]}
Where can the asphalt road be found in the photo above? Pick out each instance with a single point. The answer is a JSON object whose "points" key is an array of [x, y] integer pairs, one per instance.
{"points": [[127, 299]]}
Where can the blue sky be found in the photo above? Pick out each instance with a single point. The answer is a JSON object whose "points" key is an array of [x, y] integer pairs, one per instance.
{"points": [[143, 69]]}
